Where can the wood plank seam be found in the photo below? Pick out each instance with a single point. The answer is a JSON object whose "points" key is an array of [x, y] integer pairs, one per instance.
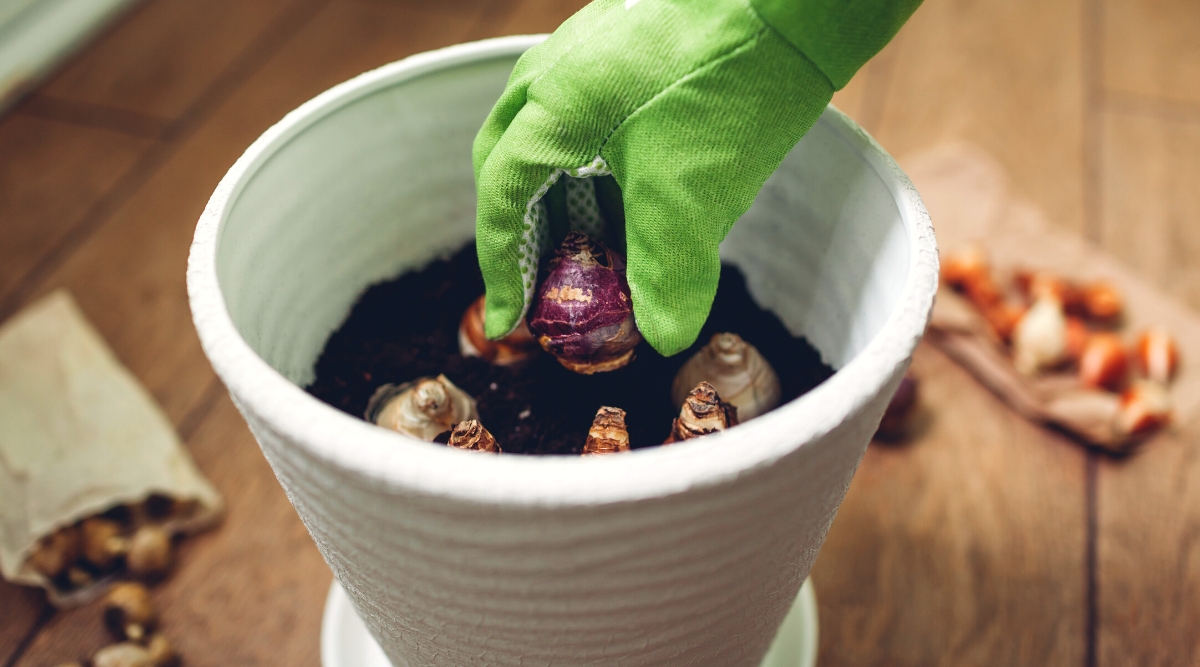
{"points": [[1092, 63], [273, 39], [1091, 590], [1135, 104], [446, 9], [250, 61], [879, 82], [195, 416], [45, 34], [87, 225], [42, 620], [497, 12], [493, 12], [130, 13], [88, 114]]}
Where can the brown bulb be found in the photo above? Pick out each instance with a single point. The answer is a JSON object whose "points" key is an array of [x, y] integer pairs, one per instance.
{"points": [[1145, 407], [162, 654], [1157, 355], [703, 412], [608, 434], [149, 554], [77, 577], [125, 654], [970, 272], [1103, 364], [56, 552], [128, 611], [1077, 338], [471, 435], [1003, 318], [516, 347], [984, 292], [965, 266], [102, 542], [1102, 302], [1037, 284]]}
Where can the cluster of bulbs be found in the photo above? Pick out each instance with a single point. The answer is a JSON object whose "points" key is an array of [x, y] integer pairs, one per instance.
{"points": [[583, 315]]}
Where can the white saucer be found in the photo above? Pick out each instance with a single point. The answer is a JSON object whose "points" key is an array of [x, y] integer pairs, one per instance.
{"points": [[345, 641]]}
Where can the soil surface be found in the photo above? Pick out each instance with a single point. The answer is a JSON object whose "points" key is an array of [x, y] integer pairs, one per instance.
{"points": [[407, 328]]}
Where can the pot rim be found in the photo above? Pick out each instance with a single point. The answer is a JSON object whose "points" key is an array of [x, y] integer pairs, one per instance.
{"points": [[397, 463]]}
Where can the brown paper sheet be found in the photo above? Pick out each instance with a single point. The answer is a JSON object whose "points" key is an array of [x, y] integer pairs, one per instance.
{"points": [[969, 200], [78, 435]]}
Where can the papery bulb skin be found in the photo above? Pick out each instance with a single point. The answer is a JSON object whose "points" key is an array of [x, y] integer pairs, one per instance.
{"points": [[102, 542], [965, 266], [736, 370], [129, 611], [150, 552], [608, 434], [516, 347], [1040, 338], [583, 312], [1103, 302], [1003, 318], [1040, 283], [703, 412], [162, 654], [1078, 336], [969, 271], [1103, 364], [124, 654], [1145, 408], [422, 408], [56, 552], [471, 435], [1157, 355]]}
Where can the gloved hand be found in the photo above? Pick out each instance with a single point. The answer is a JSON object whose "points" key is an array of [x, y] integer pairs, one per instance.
{"points": [[690, 105]]}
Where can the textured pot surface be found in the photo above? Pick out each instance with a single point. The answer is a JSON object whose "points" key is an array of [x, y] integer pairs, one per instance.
{"points": [[681, 555]]}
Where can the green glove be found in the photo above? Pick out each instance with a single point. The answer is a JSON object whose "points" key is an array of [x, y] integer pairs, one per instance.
{"points": [[690, 105]]}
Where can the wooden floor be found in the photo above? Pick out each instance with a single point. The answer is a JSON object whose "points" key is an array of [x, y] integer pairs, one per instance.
{"points": [[987, 542]]}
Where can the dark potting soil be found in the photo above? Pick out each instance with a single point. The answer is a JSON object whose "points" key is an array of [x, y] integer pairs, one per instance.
{"points": [[407, 328]]}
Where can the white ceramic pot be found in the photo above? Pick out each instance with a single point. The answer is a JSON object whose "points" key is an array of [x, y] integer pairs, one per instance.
{"points": [[681, 555]]}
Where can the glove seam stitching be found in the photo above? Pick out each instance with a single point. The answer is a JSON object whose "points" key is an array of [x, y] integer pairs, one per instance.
{"points": [[795, 47], [739, 48]]}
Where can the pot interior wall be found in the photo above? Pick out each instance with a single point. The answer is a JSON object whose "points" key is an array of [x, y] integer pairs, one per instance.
{"points": [[381, 181]]}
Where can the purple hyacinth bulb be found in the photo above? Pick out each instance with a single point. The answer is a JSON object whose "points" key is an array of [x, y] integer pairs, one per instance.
{"points": [[583, 313]]}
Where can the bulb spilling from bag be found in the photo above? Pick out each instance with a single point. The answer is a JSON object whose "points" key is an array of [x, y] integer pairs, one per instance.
{"points": [[583, 313]]}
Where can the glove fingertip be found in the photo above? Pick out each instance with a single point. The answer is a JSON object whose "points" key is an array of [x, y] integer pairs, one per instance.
{"points": [[673, 275], [669, 328], [499, 318], [669, 344]]}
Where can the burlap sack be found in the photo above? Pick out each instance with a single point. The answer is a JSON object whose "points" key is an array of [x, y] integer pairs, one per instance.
{"points": [[78, 436], [969, 201]]}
